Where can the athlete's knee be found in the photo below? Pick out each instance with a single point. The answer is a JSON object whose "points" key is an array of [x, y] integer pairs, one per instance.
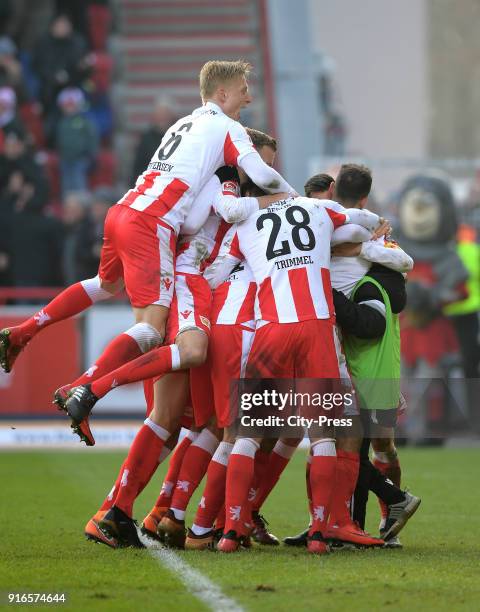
{"points": [[111, 287], [145, 335], [192, 354]]}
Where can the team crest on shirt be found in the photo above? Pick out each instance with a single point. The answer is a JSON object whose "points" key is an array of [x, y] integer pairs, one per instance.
{"points": [[167, 283], [230, 188], [186, 313], [205, 321]]}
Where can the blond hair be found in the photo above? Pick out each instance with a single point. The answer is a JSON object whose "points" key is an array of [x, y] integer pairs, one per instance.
{"points": [[260, 139], [216, 72]]}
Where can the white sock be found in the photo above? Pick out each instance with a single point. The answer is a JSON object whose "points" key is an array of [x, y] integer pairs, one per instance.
{"points": [[206, 441], [222, 454], [245, 446], [199, 531], [284, 450], [175, 357], [162, 433], [145, 335], [324, 448], [179, 514], [94, 290]]}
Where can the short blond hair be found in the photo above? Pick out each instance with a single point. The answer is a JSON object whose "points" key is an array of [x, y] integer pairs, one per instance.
{"points": [[216, 72]]}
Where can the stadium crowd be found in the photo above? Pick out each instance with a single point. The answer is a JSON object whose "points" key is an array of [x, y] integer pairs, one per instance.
{"points": [[57, 164]]}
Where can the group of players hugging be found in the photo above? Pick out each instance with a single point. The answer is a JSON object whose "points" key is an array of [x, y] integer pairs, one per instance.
{"points": [[230, 273]]}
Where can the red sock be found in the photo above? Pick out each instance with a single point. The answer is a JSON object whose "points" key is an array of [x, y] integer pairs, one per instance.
{"points": [[140, 464], [213, 496], [121, 349], [151, 364], [309, 486], [322, 480], [391, 470], [220, 520], [262, 461], [276, 464], [171, 477], [240, 473], [69, 302], [110, 499], [194, 466], [346, 481]]}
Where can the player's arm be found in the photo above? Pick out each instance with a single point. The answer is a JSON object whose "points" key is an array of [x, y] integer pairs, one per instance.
{"points": [[364, 320], [350, 233], [264, 176], [229, 205], [392, 257], [228, 257], [341, 216], [239, 151]]}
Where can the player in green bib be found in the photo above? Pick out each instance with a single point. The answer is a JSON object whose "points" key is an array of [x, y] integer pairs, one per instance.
{"points": [[374, 363]]}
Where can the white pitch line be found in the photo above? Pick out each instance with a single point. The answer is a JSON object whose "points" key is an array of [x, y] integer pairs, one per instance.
{"points": [[195, 582]]}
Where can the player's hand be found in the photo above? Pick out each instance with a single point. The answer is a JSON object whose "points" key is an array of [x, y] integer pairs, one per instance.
{"points": [[347, 249], [383, 229]]}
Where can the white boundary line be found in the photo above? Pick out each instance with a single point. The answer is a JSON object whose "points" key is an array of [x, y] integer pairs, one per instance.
{"points": [[195, 582]]}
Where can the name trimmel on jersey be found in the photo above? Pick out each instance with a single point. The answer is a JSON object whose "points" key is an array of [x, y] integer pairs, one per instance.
{"points": [[293, 261]]}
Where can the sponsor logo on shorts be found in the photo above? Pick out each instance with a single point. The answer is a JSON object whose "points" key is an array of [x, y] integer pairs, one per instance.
{"points": [[186, 313], [167, 283]]}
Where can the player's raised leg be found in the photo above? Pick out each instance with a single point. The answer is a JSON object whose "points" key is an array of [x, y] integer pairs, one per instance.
{"points": [[71, 301]]}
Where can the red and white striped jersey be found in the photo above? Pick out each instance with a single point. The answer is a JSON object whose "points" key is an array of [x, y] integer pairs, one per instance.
{"points": [[287, 247], [234, 300], [196, 253], [190, 152]]}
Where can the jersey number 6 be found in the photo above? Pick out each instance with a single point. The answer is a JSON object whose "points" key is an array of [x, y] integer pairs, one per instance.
{"points": [[173, 142]]}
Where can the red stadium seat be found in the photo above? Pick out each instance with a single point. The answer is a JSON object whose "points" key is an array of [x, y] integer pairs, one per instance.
{"points": [[102, 71], [99, 20]]}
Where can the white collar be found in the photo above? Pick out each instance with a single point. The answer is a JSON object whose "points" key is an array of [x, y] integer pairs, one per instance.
{"points": [[213, 106]]}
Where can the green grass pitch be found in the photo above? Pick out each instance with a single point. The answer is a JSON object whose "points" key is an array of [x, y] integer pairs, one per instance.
{"points": [[48, 496]]}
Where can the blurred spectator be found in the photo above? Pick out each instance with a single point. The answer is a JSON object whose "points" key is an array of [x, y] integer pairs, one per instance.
{"points": [[19, 169], [59, 59], [33, 243], [76, 141], [162, 118], [75, 210], [11, 74], [91, 232], [9, 120], [36, 245]]}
